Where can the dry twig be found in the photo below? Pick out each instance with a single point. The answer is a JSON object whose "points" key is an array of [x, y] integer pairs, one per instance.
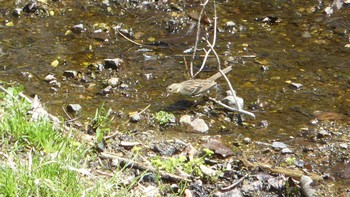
{"points": [[133, 164]]}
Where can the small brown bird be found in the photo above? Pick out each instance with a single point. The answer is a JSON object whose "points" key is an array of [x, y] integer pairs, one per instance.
{"points": [[196, 87]]}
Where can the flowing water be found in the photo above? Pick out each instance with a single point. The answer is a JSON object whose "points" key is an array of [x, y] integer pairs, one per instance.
{"points": [[270, 45]]}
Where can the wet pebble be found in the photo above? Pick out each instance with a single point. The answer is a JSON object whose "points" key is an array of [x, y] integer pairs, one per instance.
{"points": [[247, 140], [107, 90], [27, 75], [17, 12], [100, 35], [49, 77], [30, 7], [135, 117], [96, 66], [124, 86], [148, 76], [149, 56], [230, 24], [114, 64], [343, 146], [54, 89], [286, 151], [55, 83], [299, 163], [278, 145], [70, 73], [296, 85], [113, 81], [79, 28], [322, 133], [263, 124], [73, 108]]}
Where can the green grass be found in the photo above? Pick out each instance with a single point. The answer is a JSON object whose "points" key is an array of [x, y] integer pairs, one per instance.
{"points": [[38, 160]]}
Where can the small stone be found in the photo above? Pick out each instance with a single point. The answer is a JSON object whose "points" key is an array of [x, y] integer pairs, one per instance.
{"points": [[55, 63], [207, 171], [323, 133], [49, 77], [263, 124], [55, 83], [17, 12], [230, 24], [174, 187], [247, 140], [113, 64], [107, 90], [148, 76], [198, 126], [70, 73], [286, 151], [278, 145], [78, 28], [113, 81], [96, 66], [124, 86], [343, 146], [30, 7], [100, 35], [135, 118], [27, 75], [299, 163], [73, 108], [296, 85], [185, 120]]}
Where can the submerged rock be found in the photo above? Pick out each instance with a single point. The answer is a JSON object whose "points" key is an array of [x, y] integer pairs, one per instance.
{"points": [[74, 108], [70, 73], [114, 64]]}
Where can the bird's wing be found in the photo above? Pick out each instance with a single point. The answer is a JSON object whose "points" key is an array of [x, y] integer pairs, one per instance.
{"points": [[198, 86], [191, 88]]}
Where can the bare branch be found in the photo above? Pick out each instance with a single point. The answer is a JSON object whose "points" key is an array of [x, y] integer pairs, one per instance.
{"points": [[231, 108], [197, 36]]}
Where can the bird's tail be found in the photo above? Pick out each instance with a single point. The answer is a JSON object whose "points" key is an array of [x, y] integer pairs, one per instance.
{"points": [[218, 75]]}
